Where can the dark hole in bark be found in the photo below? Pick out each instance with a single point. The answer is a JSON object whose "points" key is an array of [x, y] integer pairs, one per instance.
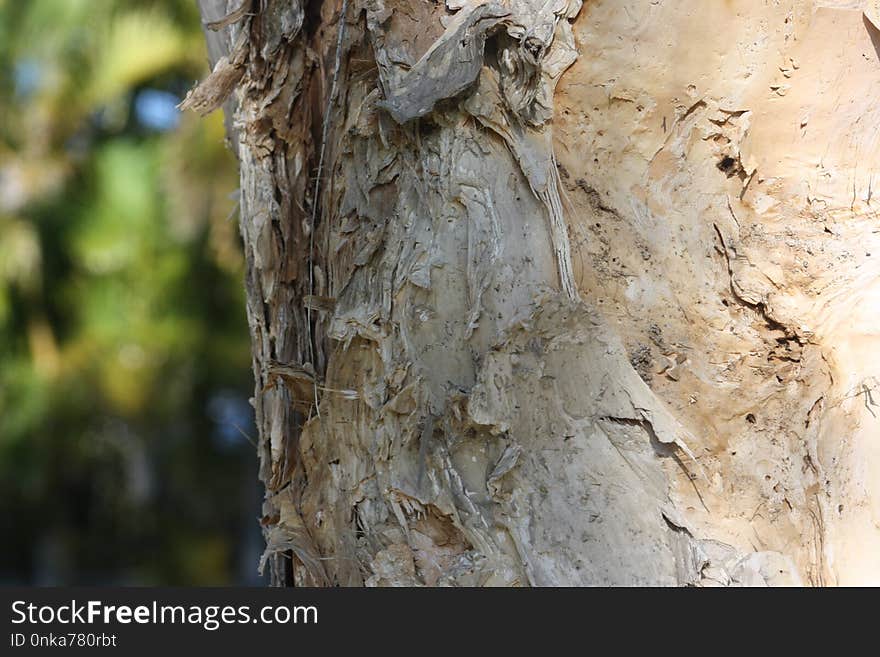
{"points": [[727, 165]]}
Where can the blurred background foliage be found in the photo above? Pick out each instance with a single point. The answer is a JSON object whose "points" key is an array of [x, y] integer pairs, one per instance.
{"points": [[124, 355]]}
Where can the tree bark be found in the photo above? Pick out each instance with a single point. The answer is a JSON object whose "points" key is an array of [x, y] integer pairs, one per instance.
{"points": [[543, 294]]}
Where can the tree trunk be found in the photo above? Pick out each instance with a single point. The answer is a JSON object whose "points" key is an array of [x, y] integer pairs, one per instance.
{"points": [[543, 294]]}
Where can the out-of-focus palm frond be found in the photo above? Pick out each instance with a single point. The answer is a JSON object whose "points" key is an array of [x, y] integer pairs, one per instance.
{"points": [[130, 48]]}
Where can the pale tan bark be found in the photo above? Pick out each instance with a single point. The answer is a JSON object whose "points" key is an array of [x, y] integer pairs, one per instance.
{"points": [[582, 295]]}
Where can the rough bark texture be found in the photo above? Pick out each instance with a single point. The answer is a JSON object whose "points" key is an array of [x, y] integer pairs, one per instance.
{"points": [[543, 294]]}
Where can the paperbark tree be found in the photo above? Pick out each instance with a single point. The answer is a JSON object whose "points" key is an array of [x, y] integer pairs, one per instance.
{"points": [[543, 294]]}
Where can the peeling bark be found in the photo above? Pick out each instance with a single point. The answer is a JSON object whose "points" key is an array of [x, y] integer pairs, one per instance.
{"points": [[465, 224]]}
